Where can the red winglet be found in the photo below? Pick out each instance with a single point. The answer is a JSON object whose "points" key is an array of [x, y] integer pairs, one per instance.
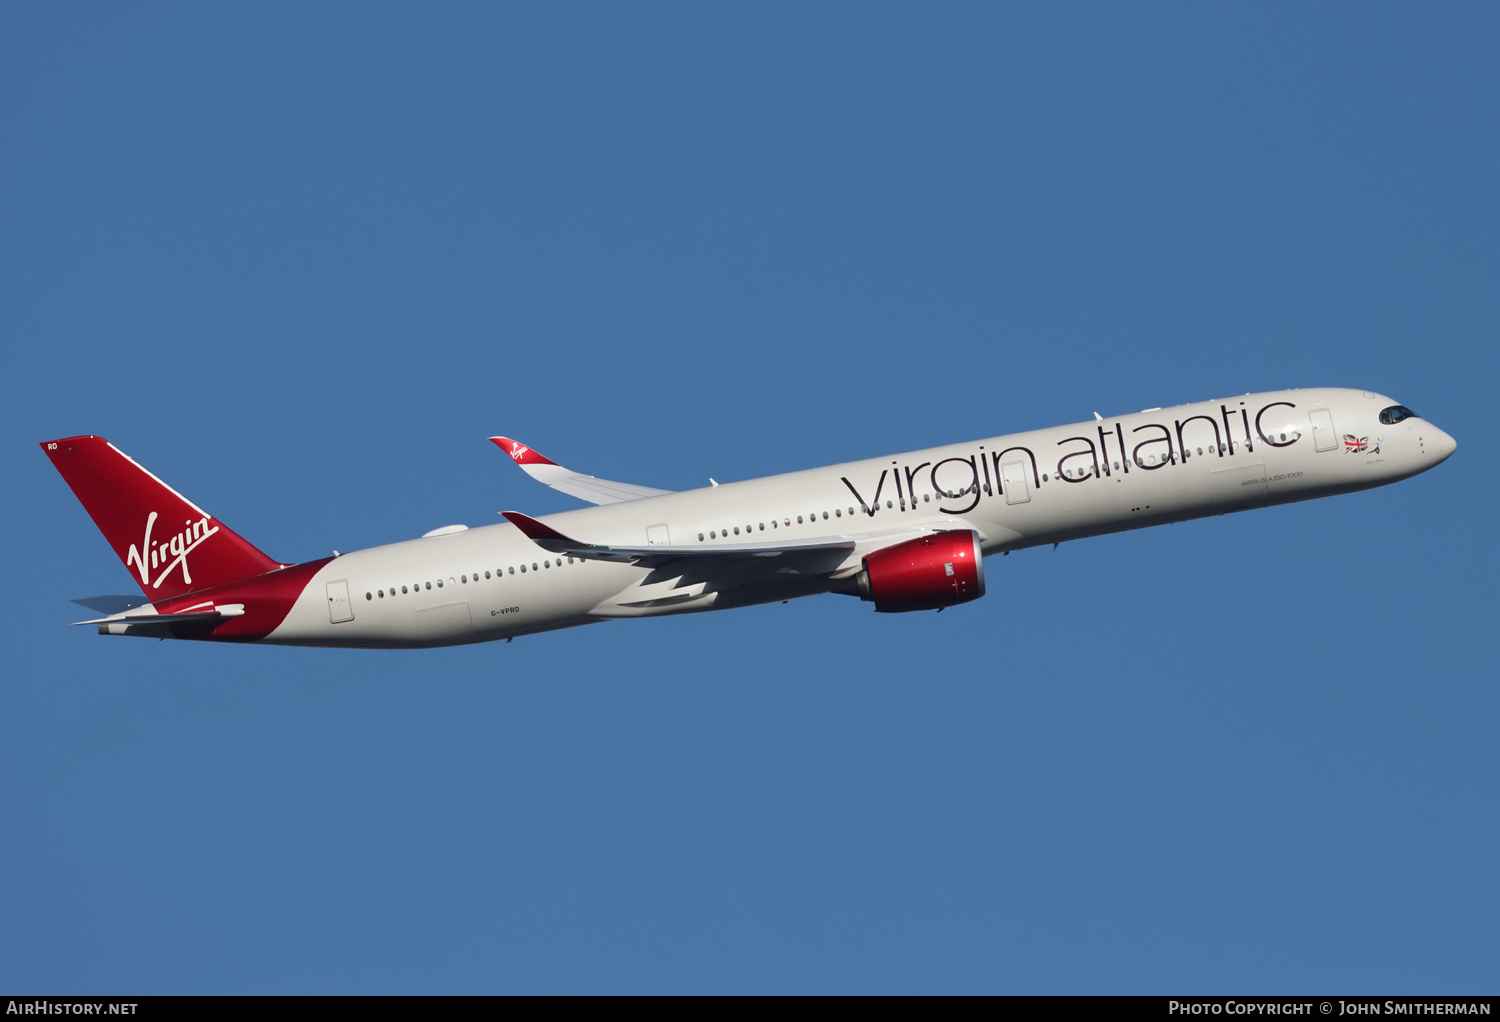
{"points": [[518, 451], [533, 529]]}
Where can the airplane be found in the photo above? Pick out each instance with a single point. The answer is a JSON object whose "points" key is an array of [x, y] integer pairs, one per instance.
{"points": [[906, 532]]}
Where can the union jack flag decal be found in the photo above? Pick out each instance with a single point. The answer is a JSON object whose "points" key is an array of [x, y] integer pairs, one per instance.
{"points": [[1355, 444]]}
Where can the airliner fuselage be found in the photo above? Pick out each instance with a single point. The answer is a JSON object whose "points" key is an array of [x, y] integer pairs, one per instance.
{"points": [[899, 530]]}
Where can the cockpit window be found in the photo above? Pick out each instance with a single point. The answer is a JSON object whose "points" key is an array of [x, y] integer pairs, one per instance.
{"points": [[1395, 413]]}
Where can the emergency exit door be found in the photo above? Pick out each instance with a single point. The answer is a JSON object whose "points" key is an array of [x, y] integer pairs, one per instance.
{"points": [[339, 607], [1013, 479]]}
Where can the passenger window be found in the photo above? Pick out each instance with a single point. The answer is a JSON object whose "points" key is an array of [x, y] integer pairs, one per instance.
{"points": [[368, 596], [533, 566], [523, 569], [512, 569], [825, 516], [837, 513], [736, 530], [762, 526], [440, 583], [799, 519], [429, 585], [403, 589]]}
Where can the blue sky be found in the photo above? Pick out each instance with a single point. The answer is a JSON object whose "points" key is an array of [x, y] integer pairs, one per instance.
{"points": [[301, 260]]}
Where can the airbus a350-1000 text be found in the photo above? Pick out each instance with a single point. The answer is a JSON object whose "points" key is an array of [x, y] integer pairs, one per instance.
{"points": [[907, 532]]}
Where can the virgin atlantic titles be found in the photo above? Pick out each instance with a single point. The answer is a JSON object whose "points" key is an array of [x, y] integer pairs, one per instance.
{"points": [[906, 532]]}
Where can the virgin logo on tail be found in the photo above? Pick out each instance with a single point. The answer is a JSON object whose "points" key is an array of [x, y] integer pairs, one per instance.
{"points": [[518, 452], [167, 554]]}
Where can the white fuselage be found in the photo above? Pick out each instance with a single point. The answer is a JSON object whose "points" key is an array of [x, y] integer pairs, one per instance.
{"points": [[1021, 490]]}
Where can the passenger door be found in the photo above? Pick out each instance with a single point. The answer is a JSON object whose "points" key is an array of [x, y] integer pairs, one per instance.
{"points": [[1325, 436]]}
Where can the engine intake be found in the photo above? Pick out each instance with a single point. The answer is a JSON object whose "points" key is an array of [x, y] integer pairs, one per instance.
{"points": [[929, 573]]}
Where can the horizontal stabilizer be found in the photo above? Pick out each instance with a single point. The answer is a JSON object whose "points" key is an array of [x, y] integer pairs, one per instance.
{"points": [[112, 604], [150, 617], [550, 539], [574, 484]]}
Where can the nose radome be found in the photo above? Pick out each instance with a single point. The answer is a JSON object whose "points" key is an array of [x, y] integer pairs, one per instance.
{"points": [[1443, 445]]}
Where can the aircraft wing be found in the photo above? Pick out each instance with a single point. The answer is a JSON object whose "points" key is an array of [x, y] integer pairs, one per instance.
{"points": [[713, 575], [574, 484], [549, 538]]}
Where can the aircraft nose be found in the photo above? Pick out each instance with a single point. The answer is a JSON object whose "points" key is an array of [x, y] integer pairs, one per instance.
{"points": [[1442, 444]]}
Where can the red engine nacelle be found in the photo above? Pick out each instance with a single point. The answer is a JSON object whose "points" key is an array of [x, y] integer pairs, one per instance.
{"points": [[924, 574]]}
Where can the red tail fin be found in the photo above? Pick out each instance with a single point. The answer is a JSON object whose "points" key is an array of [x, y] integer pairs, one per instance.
{"points": [[171, 545]]}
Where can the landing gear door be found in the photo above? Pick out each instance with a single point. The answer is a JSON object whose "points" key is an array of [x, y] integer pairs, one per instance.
{"points": [[339, 607], [1013, 480], [1325, 437]]}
